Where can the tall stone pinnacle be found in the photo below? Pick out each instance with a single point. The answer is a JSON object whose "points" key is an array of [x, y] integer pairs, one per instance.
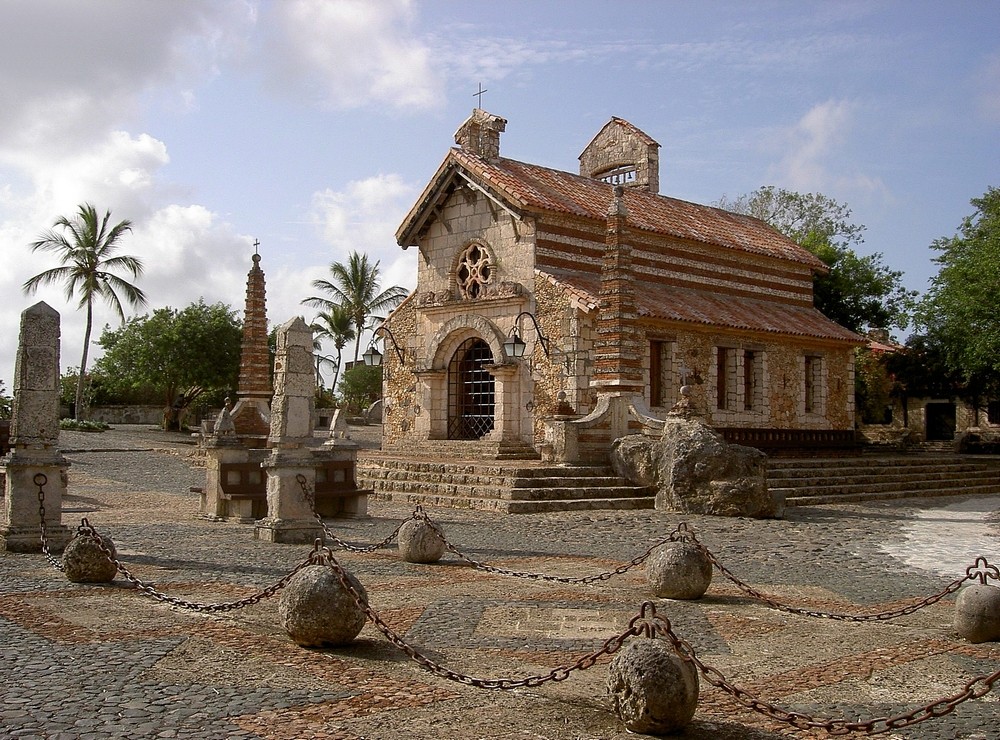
{"points": [[255, 363]]}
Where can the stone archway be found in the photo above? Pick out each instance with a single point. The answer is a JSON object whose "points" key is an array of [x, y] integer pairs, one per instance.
{"points": [[506, 376]]}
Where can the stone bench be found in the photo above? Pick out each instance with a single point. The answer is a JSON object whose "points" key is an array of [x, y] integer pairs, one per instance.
{"points": [[244, 488], [337, 491]]}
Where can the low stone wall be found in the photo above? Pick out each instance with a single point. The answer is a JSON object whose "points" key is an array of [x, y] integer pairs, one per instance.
{"points": [[129, 415]]}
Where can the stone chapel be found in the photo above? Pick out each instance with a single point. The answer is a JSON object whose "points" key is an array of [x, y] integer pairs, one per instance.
{"points": [[616, 295]]}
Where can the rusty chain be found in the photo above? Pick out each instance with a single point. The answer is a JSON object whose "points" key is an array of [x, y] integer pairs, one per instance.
{"points": [[314, 558], [420, 515], [641, 624], [973, 689], [981, 569], [478, 565], [40, 480], [342, 544], [646, 623]]}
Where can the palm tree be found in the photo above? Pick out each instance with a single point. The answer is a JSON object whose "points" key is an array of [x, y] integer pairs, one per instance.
{"points": [[355, 287], [337, 325], [86, 248]]}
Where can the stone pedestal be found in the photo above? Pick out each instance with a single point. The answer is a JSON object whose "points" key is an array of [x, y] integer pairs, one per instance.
{"points": [[289, 514], [20, 526], [588, 439]]}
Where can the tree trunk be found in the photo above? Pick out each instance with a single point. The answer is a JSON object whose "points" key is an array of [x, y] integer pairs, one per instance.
{"points": [[176, 410], [82, 378]]}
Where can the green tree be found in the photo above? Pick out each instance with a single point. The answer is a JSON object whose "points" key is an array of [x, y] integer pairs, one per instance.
{"points": [[6, 403], [355, 287], [182, 354], [337, 325], [960, 313], [360, 387], [873, 385], [858, 292], [86, 249]]}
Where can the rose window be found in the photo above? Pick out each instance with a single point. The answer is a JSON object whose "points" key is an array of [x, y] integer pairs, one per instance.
{"points": [[474, 272]]}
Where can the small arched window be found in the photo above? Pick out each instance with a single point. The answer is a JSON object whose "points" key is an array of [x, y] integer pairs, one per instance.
{"points": [[474, 272]]}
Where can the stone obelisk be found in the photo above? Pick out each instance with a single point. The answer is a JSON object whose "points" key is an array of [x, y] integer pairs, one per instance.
{"points": [[34, 459], [289, 514]]}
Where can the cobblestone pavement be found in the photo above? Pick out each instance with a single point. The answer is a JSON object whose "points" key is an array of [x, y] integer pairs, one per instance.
{"points": [[107, 662]]}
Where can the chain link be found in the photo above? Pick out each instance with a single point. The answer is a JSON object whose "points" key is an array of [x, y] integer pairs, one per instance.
{"points": [[641, 624], [647, 623], [342, 544], [981, 569], [973, 689], [40, 480], [478, 565], [150, 590]]}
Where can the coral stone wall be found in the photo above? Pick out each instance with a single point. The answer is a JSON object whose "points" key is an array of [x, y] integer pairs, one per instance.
{"points": [[400, 406], [779, 401], [564, 371]]}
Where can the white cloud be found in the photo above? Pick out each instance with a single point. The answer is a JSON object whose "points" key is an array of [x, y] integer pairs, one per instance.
{"points": [[809, 145], [814, 153], [364, 218], [77, 75], [349, 53], [75, 70]]}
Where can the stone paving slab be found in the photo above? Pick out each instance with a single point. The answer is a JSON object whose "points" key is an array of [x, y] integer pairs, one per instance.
{"points": [[106, 662]]}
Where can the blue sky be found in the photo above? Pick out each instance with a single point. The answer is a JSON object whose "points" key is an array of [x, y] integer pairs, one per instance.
{"points": [[312, 125]]}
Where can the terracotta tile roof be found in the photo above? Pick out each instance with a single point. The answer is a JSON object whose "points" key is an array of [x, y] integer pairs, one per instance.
{"points": [[540, 189], [710, 309], [882, 347]]}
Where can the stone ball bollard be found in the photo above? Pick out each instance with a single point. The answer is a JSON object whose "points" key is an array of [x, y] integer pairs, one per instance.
{"points": [[419, 542], [977, 613], [317, 611], [84, 561], [678, 570], [653, 691]]}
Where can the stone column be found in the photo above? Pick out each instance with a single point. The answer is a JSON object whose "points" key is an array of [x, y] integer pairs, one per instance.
{"points": [[618, 349], [507, 397], [289, 515], [620, 408], [34, 439]]}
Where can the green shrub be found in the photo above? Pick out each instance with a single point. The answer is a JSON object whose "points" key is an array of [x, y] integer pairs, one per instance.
{"points": [[77, 425]]}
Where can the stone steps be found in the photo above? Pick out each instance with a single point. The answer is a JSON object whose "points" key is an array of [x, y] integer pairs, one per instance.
{"points": [[821, 481], [515, 487]]}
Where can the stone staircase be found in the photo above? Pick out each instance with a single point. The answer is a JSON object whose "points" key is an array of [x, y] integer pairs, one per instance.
{"points": [[509, 486], [808, 481], [490, 477]]}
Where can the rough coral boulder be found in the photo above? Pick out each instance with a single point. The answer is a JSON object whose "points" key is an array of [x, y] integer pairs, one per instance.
{"points": [[695, 471]]}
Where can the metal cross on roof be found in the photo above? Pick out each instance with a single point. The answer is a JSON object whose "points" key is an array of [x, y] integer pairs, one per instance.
{"points": [[480, 96], [256, 244]]}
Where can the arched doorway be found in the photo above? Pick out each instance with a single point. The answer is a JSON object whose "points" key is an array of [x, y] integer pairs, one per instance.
{"points": [[940, 419], [471, 391]]}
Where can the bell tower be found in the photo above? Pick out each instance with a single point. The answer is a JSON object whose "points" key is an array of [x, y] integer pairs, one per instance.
{"points": [[621, 154]]}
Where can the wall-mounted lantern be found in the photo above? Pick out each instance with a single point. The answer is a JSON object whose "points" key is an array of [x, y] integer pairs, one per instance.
{"points": [[372, 357], [515, 346]]}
